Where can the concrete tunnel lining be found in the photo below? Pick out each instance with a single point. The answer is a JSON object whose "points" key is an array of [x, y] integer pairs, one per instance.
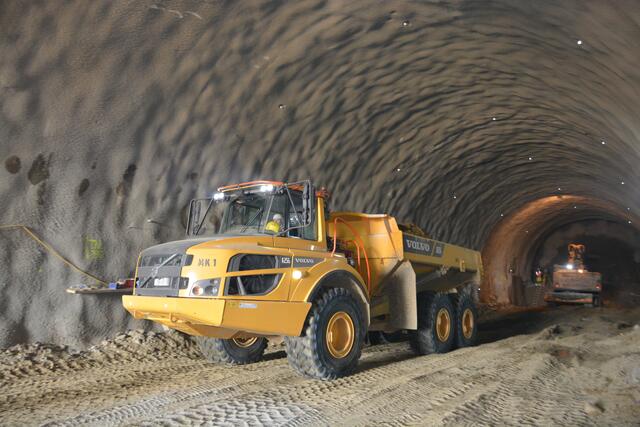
{"points": [[445, 115]]}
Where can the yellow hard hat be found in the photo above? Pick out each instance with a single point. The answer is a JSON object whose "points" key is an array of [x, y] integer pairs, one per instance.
{"points": [[272, 226]]}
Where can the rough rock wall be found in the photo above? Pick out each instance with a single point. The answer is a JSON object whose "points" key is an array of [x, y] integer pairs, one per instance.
{"points": [[113, 114]]}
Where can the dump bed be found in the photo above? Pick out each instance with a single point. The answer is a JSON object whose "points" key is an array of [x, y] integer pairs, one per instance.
{"points": [[437, 265]]}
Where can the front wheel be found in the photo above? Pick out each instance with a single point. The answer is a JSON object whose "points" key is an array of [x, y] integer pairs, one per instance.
{"points": [[234, 351], [331, 343]]}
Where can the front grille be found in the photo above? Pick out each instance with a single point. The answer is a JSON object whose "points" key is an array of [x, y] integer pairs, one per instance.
{"points": [[159, 274], [163, 282], [157, 260]]}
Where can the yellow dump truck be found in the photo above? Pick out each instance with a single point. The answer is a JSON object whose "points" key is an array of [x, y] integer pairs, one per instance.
{"points": [[266, 259]]}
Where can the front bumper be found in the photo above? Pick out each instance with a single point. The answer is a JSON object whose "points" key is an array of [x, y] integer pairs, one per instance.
{"points": [[222, 318]]}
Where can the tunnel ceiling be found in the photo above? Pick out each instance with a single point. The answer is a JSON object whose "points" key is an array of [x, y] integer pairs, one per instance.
{"points": [[113, 114]]}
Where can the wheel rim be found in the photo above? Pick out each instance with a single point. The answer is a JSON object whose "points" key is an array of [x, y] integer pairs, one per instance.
{"points": [[443, 324], [467, 323], [340, 334], [245, 342]]}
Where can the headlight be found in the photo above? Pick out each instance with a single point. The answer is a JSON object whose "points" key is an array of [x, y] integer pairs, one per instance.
{"points": [[206, 287]]}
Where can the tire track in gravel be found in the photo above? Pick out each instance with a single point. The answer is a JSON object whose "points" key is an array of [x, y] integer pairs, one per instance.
{"points": [[539, 379]]}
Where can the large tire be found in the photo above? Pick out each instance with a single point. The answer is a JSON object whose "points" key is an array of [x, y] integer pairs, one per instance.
{"points": [[466, 321], [232, 351], [433, 335], [332, 340]]}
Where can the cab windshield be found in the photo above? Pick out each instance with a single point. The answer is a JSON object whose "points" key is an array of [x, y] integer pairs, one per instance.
{"points": [[277, 212]]}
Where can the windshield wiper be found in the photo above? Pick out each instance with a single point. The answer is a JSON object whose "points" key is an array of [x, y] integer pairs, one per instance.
{"points": [[199, 226], [251, 220]]}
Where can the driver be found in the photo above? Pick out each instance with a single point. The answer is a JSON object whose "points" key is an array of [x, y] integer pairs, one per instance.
{"points": [[275, 225]]}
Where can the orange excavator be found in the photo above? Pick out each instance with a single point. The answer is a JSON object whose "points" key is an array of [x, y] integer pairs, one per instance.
{"points": [[572, 283]]}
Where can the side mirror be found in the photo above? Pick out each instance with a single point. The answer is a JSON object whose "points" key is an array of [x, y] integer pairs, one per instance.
{"points": [[194, 216], [307, 202]]}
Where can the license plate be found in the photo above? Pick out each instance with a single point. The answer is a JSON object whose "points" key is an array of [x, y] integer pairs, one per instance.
{"points": [[162, 282]]}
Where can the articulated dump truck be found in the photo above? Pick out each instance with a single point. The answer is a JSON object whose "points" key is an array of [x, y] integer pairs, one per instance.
{"points": [[266, 259]]}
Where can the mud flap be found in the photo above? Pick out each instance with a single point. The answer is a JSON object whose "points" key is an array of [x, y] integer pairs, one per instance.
{"points": [[403, 306]]}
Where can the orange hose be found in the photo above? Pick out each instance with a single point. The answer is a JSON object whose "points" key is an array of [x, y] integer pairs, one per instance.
{"points": [[364, 250]]}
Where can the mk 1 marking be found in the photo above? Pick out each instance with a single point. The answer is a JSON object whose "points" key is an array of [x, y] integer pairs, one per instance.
{"points": [[206, 262]]}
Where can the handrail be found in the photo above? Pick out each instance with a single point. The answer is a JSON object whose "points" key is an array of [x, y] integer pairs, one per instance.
{"points": [[48, 248]]}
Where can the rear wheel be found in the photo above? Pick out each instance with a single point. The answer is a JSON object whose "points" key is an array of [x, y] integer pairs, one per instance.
{"points": [[466, 321], [436, 327], [332, 340], [234, 351]]}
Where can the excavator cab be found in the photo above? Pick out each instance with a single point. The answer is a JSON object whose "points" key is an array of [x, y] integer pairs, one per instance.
{"points": [[576, 256]]}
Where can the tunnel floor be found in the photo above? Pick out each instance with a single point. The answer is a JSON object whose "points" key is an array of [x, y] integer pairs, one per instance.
{"points": [[566, 366]]}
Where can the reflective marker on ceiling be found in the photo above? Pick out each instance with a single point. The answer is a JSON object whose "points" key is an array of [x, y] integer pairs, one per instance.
{"points": [[622, 182], [629, 221], [493, 118], [530, 158], [603, 143], [579, 42], [454, 196]]}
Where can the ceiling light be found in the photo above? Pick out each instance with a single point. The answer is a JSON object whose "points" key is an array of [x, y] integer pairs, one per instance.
{"points": [[530, 158], [454, 196], [575, 207], [622, 182], [493, 118], [405, 23], [603, 143], [579, 42], [559, 189]]}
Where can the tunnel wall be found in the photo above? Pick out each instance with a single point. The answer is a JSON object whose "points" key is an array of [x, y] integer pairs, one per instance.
{"points": [[113, 114]]}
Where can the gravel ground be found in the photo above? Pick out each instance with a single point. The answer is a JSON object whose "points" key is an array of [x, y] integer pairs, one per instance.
{"points": [[568, 366]]}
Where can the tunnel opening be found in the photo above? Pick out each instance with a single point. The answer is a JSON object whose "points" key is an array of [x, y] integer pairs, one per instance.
{"points": [[536, 236], [611, 249]]}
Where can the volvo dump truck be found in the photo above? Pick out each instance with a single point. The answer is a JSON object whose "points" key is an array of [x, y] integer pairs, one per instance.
{"points": [[572, 283], [267, 259]]}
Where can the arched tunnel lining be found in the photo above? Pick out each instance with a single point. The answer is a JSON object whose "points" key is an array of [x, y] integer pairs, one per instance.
{"points": [[513, 248], [444, 114]]}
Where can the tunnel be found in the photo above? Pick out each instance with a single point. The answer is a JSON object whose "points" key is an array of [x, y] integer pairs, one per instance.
{"points": [[509, 127]]}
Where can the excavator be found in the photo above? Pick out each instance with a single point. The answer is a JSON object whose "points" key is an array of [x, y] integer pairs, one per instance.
{"points": [[572, 283]]}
